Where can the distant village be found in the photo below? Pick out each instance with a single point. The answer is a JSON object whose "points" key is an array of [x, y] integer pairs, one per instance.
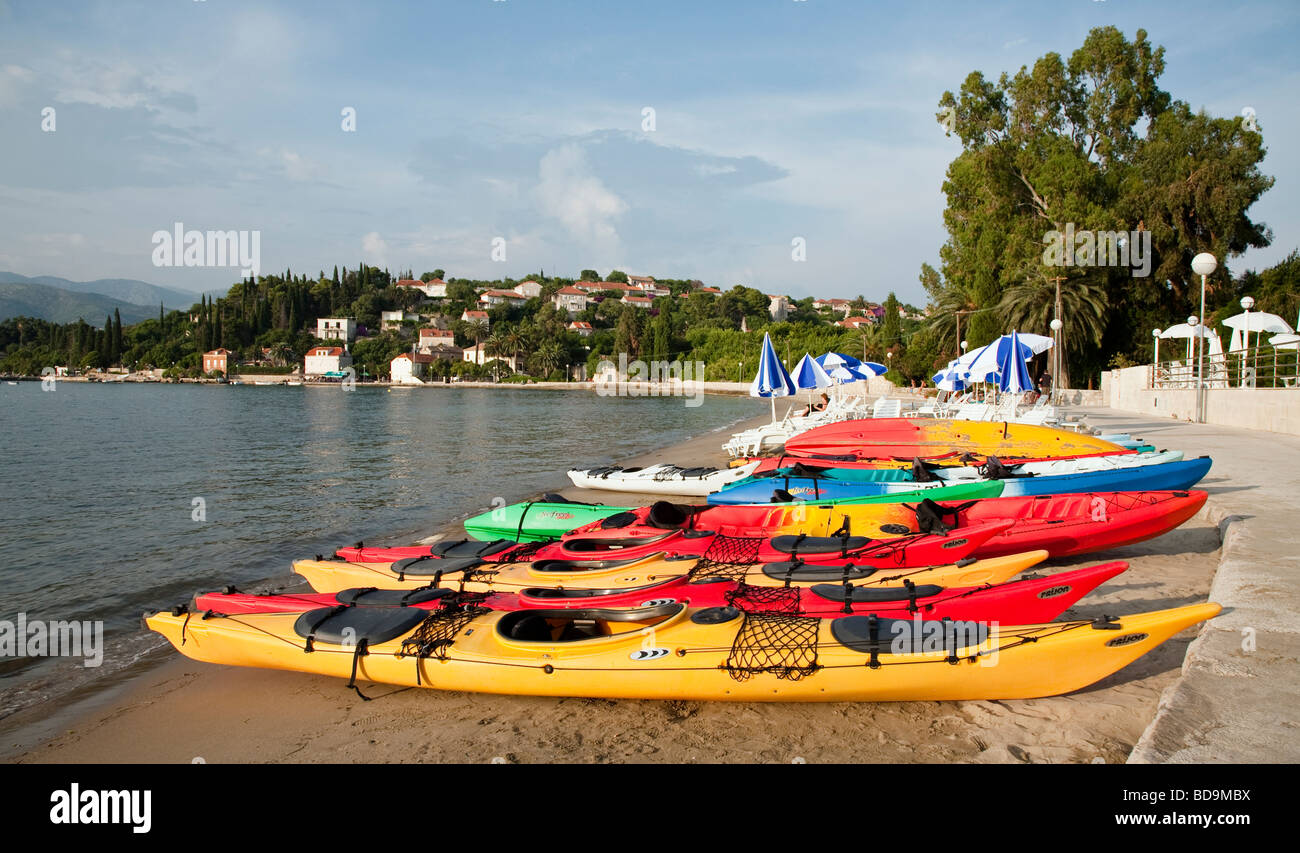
{"points": [[433, 338]]}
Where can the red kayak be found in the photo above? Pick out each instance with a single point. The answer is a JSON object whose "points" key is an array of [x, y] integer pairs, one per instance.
{"points": [[915, 550], [1065, 525], [1024, 601], [1062, 525]]}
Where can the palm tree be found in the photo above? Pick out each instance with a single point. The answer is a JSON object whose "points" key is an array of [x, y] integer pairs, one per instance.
{"points": [[1030, 306], [551, 357], [495, 345], [952, 308], [864, 342]]}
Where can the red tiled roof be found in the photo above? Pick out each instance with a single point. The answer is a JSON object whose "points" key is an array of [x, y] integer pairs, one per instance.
{"points": [[408, 282], [325, 351], [477, 315], [579, 324], [436, 333], [570, 290]]}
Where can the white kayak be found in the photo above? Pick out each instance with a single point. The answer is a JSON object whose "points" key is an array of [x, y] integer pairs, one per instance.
{"points": [[660, 479], [1068, 465]]}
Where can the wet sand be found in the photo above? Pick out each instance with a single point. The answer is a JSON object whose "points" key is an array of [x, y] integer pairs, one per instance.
{"points": [[183, 710]]}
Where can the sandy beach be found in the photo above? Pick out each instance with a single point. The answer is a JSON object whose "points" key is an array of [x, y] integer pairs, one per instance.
{"points": [[182, 711]]}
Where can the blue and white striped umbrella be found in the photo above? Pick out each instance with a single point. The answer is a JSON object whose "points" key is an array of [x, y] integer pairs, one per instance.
{"points": [[809, 374], [951, 378], [845, 368], [985, 363], [772, 380], [1013, 366]]}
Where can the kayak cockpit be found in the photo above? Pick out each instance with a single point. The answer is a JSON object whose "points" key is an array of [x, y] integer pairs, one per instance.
{"points": [[583, 624]]}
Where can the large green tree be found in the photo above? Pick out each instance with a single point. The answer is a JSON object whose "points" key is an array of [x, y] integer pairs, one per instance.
{"points": [[1093, 144]]}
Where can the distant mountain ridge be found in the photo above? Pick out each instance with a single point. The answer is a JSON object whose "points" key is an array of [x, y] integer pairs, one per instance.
{"points": [[57, 305], [128, 290]]}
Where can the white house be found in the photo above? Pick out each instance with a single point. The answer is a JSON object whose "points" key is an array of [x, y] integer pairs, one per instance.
{"points": [[501, 297], [638, 301], [432, 337], [477, 354], [570, 299], [528, 289], [475, 317], [410, 368], [323, 361], [434, 288], [336, 329], [582, 327], [778, 307]]}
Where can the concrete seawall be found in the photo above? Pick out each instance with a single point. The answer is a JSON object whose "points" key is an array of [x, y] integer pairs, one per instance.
{"points": [[1238, 698], [1271, 409]]}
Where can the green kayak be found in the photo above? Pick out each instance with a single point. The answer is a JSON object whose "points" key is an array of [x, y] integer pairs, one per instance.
{"points": [[553, 516]]}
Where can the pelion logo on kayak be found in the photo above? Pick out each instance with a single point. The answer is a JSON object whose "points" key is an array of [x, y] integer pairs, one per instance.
{"points": [[637, 378], [181, 248], [40, 639], [74, 806]]}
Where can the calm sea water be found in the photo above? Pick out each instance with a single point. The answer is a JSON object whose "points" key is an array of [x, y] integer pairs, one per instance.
{"points": [[98, 486]]}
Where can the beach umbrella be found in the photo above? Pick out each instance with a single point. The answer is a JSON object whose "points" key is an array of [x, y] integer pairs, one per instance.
{"points": [[951, 378], [1285, 341], [1038, 343], [811, 375], [772, 379], [1013, 367], [1183, 330], [988, 360], [845, 368], [1249, 323]]}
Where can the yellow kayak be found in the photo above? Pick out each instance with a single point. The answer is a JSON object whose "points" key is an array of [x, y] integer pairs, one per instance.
{"points": [[338, 575], [671, 651], [905, 438]]}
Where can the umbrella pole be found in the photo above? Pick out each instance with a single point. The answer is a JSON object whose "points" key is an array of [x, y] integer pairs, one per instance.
{"points": [[773, 400]]}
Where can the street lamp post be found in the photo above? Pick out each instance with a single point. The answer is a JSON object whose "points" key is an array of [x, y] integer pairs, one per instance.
{"points": [[1155, 367], [1057, 361], [1203, 265], [1247, 303]]}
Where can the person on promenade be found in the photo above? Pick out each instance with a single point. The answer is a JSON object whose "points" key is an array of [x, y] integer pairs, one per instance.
{"points": [[1045, 384]]}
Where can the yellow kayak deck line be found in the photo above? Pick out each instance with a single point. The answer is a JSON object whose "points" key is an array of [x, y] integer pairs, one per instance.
{"points": [[338, 575], [675, 652]]}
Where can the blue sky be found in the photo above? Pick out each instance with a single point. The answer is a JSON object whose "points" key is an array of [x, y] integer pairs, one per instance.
{"points": [[523, 119]]}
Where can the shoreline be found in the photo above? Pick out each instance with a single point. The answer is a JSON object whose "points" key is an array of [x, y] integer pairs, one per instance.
{"points": [[27, 731], [180, 710]]}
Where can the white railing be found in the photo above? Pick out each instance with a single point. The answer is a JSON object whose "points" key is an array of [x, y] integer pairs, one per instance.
{"points": [[1258, 367]]}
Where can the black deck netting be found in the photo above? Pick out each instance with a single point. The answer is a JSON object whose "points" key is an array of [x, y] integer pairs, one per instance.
{"points": [[779, 643], [435, 634], [779, 599], [523, 552], [727, 557]]}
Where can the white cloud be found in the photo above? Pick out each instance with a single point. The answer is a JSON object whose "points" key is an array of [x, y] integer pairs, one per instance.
{"points": [[12, 78], [375, 249], [569, 193]]}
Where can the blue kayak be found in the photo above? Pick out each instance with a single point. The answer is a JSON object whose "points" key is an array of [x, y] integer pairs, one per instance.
{"points": [[842, 484]]}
